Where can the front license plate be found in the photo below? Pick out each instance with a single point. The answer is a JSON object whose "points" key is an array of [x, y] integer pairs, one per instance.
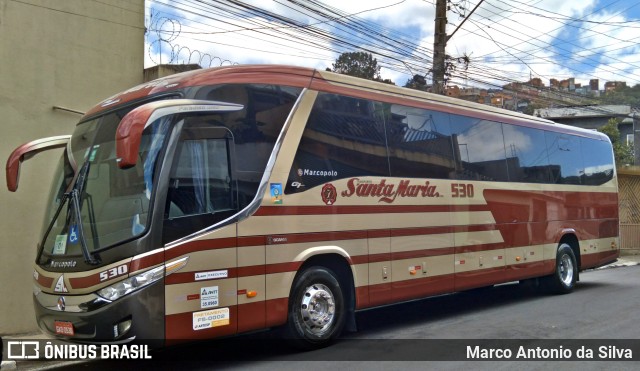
{"points": [[64, 328]]}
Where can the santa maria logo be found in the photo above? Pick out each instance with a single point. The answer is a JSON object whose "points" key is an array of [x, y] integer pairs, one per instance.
{"points": [[329, 194], [388, 192]]}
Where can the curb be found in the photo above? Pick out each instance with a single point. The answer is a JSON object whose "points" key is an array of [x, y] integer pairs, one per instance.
{"points": [[8, 365]]}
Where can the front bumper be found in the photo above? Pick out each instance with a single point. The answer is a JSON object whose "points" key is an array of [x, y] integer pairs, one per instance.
{"points": [[95, 320]]}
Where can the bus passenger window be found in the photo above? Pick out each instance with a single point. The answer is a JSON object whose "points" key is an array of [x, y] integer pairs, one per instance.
{"points": [[526, 154], [420, 143], [344, 138], [479, 148], [598, 161], [565, 158]]}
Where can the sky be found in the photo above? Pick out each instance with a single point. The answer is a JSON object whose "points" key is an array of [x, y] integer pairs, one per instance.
{"points": [[504, 40]]}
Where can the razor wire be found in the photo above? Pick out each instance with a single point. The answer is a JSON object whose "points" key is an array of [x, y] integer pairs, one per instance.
{"points": [[167, 31]]}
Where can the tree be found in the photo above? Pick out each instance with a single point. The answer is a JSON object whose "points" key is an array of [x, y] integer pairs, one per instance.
{"points": [[623, 152], [358, 64], [531, 108], [417, 82]]}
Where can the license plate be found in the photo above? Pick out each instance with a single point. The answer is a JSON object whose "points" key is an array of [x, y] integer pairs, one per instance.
{"points": [[64, 328]]}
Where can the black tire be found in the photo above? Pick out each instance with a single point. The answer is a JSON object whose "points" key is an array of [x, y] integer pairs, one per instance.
{"points": [[563, 280], [316, 309]]}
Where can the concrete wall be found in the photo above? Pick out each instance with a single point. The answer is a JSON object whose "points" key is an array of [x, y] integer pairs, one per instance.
{"points": [[71, 53]]}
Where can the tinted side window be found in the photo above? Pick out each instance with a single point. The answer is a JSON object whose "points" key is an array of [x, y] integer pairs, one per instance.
{"points": [[202, 190], [598, 161], [526, 154], [479, 149], [344, 137], [419, 142], [565, 158], [255, 128]]}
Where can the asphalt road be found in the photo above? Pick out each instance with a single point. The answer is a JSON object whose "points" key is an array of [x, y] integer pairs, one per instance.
{"points": [[605, 305]]}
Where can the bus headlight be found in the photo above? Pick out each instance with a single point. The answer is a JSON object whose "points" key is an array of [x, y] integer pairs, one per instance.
{"points": [[131, 284]]}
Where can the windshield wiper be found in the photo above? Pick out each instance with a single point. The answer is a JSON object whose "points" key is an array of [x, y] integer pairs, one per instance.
{"points": [[75, 202], [74, 195]]}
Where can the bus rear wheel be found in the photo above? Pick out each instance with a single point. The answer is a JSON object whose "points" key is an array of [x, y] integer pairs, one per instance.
{"points": [[316, 309], [563, 280]]}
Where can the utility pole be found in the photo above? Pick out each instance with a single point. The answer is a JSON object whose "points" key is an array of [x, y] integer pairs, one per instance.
{"points": [[439, 44], [440, 39]]}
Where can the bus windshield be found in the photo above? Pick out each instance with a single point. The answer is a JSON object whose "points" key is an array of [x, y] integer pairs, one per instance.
{"points": [[113, 203]]}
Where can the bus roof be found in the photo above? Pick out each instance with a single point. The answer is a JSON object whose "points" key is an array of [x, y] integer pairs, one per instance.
{"points": [[329, 82]]}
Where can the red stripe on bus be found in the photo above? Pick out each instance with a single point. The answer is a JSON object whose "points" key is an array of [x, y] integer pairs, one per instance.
{"points": [[252, 241], [420, 231], [283, 267], [378, 233], [147, 261], [422, 253], [84, 282], [44, 281], [480, 247], [253, 270], [371, 209], [363, 259]]}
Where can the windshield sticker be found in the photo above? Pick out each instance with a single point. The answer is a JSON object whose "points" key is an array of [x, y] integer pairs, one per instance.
{"points": [[323, 173], [60, 246], [73, 234], [329, 194], [209, 297], [210, 318], [276, 193], [92, 157], [211, 275]]}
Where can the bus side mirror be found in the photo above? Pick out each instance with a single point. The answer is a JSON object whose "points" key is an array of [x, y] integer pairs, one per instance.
{"points": [[130, 128], [27, 151]]}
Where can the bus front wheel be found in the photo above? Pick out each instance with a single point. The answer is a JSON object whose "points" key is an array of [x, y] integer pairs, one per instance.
{"points": [[563, 280], [316, 309]]}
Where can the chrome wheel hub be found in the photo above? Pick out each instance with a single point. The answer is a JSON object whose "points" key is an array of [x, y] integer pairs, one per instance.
{"points": [[317, 308], [566, 270]]}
